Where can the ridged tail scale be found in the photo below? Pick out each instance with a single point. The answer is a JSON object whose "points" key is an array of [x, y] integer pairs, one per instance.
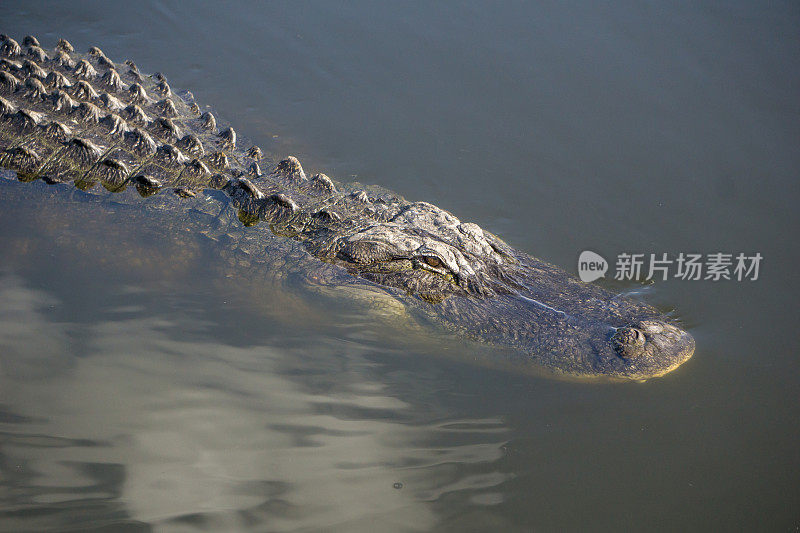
{"points": [[67, 117]]}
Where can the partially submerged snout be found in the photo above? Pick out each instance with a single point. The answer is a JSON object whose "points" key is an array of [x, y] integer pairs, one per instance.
{"points": [[651, 348], [576, 330], [581, 329]]}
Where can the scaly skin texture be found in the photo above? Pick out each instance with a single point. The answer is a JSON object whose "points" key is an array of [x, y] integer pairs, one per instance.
{"points": [[86, 120]]}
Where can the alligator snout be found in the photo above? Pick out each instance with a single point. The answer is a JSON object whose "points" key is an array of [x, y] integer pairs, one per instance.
{"points": [[648, 341]]}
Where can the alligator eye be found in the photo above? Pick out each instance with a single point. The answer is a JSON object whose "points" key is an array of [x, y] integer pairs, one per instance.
{"points": [[628, 341], [435, 262]]}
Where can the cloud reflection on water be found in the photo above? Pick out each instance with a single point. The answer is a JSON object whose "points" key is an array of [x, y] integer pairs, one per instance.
{"points": [[162, 425]]}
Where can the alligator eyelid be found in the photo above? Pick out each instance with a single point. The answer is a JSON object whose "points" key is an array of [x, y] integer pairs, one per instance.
{"points": [[433, 261], [423, 262]]}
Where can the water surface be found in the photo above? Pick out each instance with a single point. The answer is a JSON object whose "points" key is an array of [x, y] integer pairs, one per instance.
{"points": [[140, 389]]}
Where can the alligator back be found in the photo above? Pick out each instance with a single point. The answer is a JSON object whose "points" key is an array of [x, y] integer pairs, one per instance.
{"points": [[82, 118]]}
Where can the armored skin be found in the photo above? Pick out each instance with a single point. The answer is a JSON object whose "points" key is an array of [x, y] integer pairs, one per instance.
{"points": [[87, 120]]}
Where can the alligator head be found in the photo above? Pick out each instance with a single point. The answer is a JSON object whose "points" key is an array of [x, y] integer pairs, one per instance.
{"points": [[474, 282]]}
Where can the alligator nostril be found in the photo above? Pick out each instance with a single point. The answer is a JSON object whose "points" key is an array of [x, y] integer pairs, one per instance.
{"points": [[628, 342]]}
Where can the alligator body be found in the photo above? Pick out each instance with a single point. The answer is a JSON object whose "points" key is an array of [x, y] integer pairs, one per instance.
{"points": [[84, 119]]}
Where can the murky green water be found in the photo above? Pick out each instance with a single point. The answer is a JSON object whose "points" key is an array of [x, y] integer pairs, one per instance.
{"points": [[143, 386]]}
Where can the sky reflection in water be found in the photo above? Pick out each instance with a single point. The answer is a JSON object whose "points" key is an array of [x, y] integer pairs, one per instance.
{"points": [[135, 411]]}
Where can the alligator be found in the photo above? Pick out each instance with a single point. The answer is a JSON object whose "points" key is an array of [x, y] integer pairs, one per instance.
{"points": [[82, 119]]}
